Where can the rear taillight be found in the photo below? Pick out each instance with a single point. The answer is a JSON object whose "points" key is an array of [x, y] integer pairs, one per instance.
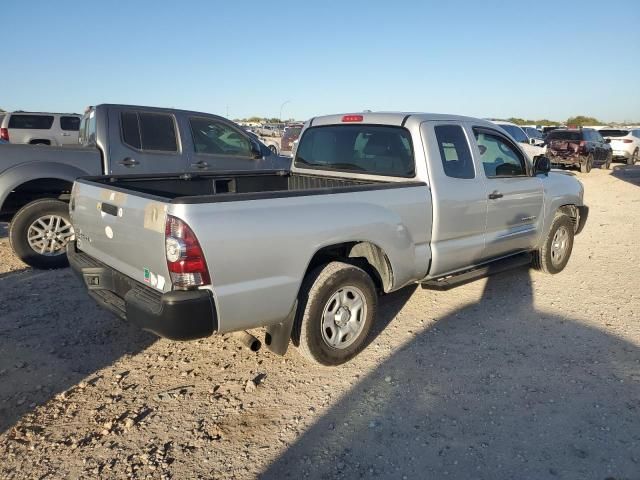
{"points": [[627, 140], [582, 146], [185, 258], [352, 118], [4, 134]]}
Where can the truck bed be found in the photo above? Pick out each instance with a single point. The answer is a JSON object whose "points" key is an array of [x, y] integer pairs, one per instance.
{"points": [[232, 186]]}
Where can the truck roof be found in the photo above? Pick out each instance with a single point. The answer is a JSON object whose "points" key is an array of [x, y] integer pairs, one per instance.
{"points": [[391, 118], [155, 109]]}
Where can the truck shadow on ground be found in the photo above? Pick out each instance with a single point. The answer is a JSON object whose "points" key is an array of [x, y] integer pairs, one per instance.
{"points": [[627, 173], [494, 390], [51, 338]]}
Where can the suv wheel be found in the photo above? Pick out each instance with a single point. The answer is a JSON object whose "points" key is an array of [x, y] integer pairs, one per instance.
{"points": [[633, 158], [585, 166], [554, 254], [607, 162], [39, 233], [336, 309]]}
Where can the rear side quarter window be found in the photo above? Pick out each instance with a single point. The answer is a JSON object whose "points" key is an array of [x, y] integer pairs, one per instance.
{"points": [[454, 151], [70, 123]]}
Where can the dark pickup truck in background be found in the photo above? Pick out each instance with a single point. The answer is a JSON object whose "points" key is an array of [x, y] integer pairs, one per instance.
{"points": [[36, 181]]}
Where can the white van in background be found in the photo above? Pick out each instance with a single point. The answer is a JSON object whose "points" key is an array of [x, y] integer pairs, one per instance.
{"points": [[38, 128]]}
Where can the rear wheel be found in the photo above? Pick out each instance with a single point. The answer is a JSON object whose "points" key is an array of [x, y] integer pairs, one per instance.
{"points": [[633, 158], [554, 254], [39, 233], [336, 309], [587, 163]]}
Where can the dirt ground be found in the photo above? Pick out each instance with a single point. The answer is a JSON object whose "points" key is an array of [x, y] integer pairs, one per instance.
{"points": [[521, 376]]}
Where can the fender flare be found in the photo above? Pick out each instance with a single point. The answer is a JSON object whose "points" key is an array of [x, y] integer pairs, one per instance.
{"points": [[15, 176]]}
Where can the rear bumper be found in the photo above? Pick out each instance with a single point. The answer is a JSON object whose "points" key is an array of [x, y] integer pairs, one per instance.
{"points": [[557, 158], [177, 315]]}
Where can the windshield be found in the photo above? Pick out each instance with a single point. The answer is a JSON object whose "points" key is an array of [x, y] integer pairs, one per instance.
{"points": [[564, 135], [614, 133], [515, 132], [369, 149]]}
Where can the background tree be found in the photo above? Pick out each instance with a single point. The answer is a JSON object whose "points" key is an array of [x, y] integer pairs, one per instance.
{"points": [[581, 120]]}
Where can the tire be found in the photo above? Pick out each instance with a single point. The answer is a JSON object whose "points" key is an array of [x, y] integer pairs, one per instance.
{"points": [[546, 258], [52, 218], [633, 158], [332, 289], [273, 149], [585, 167], [608, 160]]}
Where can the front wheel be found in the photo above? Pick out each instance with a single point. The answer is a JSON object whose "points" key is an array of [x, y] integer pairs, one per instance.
{"points": [[336, 309], [554, 254], [39, 233], [607, 162]]}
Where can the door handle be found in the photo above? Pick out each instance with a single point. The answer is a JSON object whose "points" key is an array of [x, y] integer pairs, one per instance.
{"points": [[66, 134], [495, 195], [129, 162], [201, 164]]}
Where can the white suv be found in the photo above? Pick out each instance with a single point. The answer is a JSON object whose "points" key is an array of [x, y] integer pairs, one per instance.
{"points": [[624, 142], [40, 128], [518, 134]]}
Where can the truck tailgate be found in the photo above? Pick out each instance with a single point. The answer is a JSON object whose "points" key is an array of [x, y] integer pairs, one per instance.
{"points": [[123, 230]]}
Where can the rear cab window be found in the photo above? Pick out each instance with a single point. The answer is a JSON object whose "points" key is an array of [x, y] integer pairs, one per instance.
{"points": [[31, 122], [366, 149], [149, 131]]}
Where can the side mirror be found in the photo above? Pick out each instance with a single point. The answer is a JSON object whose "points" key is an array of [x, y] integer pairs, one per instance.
{"points": [[607, 140], [532, 141], [541, 164], [256, 151]]}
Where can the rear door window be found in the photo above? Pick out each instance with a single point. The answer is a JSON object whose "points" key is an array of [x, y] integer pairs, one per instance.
{"points": [[368, 149], [149, 131], [31, 122], [500, 158], [454, 151], [70, 123], [213, 137]]}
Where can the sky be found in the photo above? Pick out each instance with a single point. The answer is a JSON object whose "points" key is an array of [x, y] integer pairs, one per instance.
{"points": [[534, 59]]}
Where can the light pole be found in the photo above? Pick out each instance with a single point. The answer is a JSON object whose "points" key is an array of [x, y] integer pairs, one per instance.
{"points": [[281, 107]]}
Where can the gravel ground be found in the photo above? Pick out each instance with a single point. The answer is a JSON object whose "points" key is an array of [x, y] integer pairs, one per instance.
{"points": [[521, 376]]}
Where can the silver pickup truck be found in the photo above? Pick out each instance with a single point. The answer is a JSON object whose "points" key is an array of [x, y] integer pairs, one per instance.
{"points": [[374, 202]]}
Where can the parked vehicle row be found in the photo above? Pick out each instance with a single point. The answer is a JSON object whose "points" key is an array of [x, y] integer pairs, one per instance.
{"points": [[36, 181], [372, 202]]}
